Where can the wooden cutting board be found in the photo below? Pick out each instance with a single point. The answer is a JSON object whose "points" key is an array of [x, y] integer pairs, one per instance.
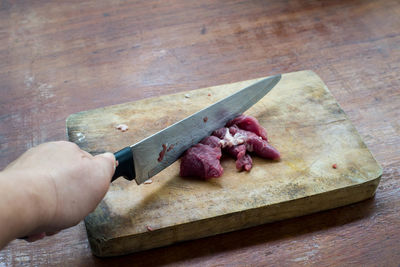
{"points": [[304, 122]]}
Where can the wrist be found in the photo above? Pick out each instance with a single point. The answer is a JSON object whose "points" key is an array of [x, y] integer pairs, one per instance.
{"points": [[25, 207]]}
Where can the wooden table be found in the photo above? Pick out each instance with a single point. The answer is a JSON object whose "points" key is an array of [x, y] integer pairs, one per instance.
{"points": [[61, 58]]}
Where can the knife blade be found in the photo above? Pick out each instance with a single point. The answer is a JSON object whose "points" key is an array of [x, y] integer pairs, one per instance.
{"points": [[151, 155]]}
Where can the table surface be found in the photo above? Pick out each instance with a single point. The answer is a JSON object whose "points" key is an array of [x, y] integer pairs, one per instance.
{"points": [[58, 58]]}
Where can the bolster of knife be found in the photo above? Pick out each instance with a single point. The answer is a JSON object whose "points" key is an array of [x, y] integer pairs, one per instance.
{"points": [[125, 167]]}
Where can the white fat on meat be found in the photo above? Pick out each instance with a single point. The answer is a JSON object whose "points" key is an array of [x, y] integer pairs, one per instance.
{"points": [[232, 140]]}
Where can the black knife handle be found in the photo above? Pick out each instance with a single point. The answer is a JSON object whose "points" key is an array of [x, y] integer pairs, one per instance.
{"points": [[125, 167]]}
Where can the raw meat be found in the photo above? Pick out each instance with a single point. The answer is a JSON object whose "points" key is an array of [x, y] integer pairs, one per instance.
{"points": [[220, 133], [244, 163], [236, 151], [211, 141], [241, 135], [243, 160], [249, 124], [236, 130], [262, 148], [201, 161]]}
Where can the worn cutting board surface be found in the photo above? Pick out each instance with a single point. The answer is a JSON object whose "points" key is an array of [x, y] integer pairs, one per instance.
{"points": [[303, 121]]}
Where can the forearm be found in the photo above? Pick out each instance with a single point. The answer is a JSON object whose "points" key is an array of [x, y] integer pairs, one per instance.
{"points": [[49, 188], [21, 205]]}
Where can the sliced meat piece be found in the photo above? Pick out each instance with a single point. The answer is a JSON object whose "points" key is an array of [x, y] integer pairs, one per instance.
{"points": [[256, 144], [243, 160], [236, 131], [242, 134], [244, 163], [236, 151], [201, 161], [211, 141], [250, 124], [262, 148], [220, 133]]}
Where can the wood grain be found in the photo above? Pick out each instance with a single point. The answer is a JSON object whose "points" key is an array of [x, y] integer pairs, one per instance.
{"points": [[58, 58], [304, 121]]}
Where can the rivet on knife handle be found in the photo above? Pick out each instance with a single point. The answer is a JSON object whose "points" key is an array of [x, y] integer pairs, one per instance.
{"points": [[125, 166]]}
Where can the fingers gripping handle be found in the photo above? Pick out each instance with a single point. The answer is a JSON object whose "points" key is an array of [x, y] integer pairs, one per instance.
{"points": [[125, 166]]}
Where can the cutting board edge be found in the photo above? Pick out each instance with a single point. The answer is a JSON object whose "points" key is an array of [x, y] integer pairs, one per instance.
{"points": [[123, 245]]}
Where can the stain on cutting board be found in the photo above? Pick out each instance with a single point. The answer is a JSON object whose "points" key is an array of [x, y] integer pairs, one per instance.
{"points": [[304, 122]]}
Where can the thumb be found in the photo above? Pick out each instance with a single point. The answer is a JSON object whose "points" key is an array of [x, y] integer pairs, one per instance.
{"points": [[106, 163]]}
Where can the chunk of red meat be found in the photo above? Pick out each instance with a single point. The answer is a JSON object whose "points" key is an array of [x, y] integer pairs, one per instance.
{"points": [[236, 151], [255, 144], [244, 134], [235, 130], [262, 148], [220, 133], [211, 141], [201, 161], [243, 160], [244, 163], [250, 124]]}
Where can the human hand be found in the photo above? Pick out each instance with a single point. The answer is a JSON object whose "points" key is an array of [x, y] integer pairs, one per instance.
{"points": [[62, 183]]}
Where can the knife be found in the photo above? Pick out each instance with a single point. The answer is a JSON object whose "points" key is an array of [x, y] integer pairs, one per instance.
{"points": [[151, 155]]}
